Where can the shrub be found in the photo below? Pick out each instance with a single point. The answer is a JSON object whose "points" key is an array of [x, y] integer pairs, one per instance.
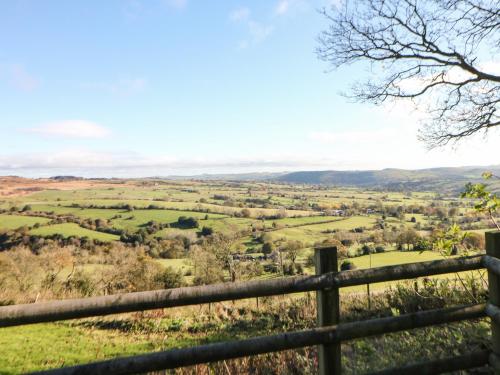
{"points": [[347, 265], [187, 222], [206, 231], [288, 269], [367, 249], [246, 212], [351, 253], [268, 247], [169, 278], [310, 260], [346, 242], [379, 249], [299, 269], [271, 268], [422, 245]]}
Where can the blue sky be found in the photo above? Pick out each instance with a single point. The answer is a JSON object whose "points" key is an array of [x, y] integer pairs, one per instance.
{"points": [[157, 87]]}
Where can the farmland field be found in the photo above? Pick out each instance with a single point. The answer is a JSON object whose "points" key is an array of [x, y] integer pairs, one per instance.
{"points": [[132, 235], [70, 229], [17, 221]]}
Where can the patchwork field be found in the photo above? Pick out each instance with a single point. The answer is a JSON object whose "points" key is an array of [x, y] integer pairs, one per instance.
{"points": [[84, 238], [18, 221], [72, 230]]}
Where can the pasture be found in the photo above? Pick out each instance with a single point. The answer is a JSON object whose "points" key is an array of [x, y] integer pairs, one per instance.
{"points": [[72, 230], [18, 221], [259, 223]]}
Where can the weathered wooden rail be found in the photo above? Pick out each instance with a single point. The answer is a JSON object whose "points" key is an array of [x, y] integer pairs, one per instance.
{"points": [[328, 335]]}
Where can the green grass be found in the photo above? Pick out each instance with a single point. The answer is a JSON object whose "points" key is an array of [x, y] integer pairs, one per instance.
{"points": [[130, 220], [17, 221], [72, 229], [86, 213], [309, 234], [44, 346], [394, 257], [293, 221], [229, 224], [135, 219]]}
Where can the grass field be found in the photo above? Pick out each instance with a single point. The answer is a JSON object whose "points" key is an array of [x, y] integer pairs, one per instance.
{"points": [[37, 347], [44, 346], [17, 221], [312, 233], [71, 229], [295, 221]]}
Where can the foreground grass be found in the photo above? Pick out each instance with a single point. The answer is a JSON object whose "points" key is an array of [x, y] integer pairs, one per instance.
{"points": [[43, 346]]}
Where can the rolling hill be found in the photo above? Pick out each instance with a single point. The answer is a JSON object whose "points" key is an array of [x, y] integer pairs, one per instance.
{"points": [[435, 179]]}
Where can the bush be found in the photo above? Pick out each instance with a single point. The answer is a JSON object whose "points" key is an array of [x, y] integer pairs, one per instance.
{"points": [[352, 253], [288, 269], [474, 241], [187, 222], [346, 242], [299, 269], [268, 247], [246, 212], [422, 245], [310, 260], [380, 249], [206, 231], [347, 265], [271, 268], [169, 278], [367, 249]]}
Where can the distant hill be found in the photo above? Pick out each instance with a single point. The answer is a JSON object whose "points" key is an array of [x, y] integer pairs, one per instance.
{"points": [[433, 179], [446, 179]]}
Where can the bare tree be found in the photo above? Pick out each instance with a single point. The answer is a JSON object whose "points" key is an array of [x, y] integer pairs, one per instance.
{"points": [[440, 53]]}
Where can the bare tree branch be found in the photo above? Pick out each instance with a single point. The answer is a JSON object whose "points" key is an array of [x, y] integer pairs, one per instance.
{"points": [[423, 49]]}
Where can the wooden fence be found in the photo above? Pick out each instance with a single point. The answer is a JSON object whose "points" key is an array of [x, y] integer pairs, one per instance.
{"points": [[328, 335]]}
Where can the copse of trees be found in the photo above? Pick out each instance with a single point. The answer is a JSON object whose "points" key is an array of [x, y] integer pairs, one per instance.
{"points": [[187, 222]]}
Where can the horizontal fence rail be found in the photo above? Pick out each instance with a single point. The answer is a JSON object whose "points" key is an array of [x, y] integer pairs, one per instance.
{"points": [[129, 302], [266, 344]]}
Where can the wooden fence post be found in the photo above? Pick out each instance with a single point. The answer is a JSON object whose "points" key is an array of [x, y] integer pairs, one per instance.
{"points": [[328, 311], [493, 250]]}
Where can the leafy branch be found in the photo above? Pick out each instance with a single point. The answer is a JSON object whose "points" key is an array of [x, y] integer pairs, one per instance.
{"points": [[485, 200]]}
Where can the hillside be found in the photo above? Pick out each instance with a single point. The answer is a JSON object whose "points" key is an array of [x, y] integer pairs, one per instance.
{"points": [[435, 179], [444, 179]]}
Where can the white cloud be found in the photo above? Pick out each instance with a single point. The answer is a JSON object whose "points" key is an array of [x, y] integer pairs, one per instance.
{"points": [[127, 164], [282, 7], [19, 78], [258, 31], [176, 4], [398, 147], [239, 14], [347, 150], [71, 129]]}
